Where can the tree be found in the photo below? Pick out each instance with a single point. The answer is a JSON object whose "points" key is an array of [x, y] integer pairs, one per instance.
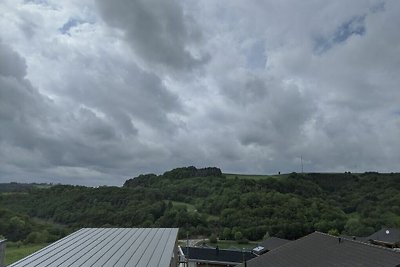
{"points": [[333, 232], [238, 236], [226, 234]]}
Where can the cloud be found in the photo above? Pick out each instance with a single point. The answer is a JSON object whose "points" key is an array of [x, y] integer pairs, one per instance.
{"points": [[145, 86], [158, 31], [354, 26], [71, 23], [11, 64]]}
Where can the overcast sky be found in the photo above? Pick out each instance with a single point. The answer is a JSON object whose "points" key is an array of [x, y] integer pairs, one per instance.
{"points": [[96, 91]]}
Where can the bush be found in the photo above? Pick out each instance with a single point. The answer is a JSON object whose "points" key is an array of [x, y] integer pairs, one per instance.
{"points": [[238, 236], [213, 239]]}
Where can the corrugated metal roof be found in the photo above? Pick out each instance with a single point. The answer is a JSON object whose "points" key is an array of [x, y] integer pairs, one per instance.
{"points": [[108, 247]]}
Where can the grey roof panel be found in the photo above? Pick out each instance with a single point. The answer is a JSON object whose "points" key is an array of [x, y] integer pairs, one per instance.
{"points": [[108, 247], [123, 256], [89, 252], [145, 251], [73, 249], [156, 257], [168, 249], [112, 252], [37, 257]]}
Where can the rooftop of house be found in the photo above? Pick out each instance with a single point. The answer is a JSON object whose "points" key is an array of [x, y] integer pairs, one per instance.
{"points": [[319, 249], [269, 244], [215, 255], [108, 247], [387, 235]]}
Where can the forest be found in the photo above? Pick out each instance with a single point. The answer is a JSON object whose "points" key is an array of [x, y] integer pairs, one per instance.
{"points": [[206, 202]]}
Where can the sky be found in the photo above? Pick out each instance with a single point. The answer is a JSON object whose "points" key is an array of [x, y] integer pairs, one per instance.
{"points": [[94, 92]]}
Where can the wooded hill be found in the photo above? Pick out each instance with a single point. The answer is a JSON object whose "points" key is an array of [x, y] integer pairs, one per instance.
{"points": [[204, 202]]}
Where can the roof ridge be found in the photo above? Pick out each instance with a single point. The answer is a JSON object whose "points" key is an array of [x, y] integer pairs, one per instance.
{"points": [[360, 242]]}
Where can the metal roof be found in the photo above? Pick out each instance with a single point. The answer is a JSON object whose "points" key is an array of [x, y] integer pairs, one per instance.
{"points": [[108, 247]]}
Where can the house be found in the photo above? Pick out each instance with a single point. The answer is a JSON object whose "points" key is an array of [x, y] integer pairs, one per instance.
{"points": [[109, 247], [269, 244], [387, 237], [319, 249], [214, 257]]}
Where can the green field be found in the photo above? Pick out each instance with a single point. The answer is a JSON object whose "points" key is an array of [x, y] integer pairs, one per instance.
{"points": [[192, 208], [189, 207], [254, 176], [14, 254]]}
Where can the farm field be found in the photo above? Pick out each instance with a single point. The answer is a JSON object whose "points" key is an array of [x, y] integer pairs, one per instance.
{"points": [[14, 254]]}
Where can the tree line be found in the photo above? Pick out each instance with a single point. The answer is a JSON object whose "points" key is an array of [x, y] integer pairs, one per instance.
{"points": [[203, 202]]}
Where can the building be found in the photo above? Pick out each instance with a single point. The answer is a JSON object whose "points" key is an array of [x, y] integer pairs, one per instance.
{"points": [[319, 249], [387, 237], [214, 257], [109, 247], [2, 252], [269, 244]]}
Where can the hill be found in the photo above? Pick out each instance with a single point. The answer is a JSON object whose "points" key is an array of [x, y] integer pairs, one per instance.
{"points": [[204, 202]]}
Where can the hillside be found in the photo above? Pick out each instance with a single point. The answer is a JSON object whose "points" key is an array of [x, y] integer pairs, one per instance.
{"points": [[203, 202]]}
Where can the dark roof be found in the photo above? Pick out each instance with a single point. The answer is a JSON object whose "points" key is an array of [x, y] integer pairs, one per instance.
{"points": [[387, 235], [108, 247], [356, 238], [211, 255], [269, 244], [318, 249]]}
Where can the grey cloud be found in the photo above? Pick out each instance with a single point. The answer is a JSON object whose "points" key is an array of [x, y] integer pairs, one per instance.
{"points": [[278, 122], [243, 88], [23, 112], [157, 30], [11, 63], [125, 93], [93, 107], [354, 26], [71, 23], [39, 137]]}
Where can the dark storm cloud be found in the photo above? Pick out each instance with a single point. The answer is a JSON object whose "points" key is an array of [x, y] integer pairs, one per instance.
{"points": [[157, 30], [23, 116], [46, 138], [22, 108]]}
